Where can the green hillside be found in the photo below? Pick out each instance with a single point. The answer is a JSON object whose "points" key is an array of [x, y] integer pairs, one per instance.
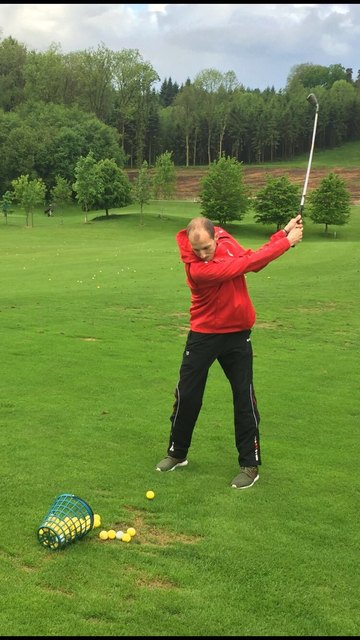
{"points": [[346, 156]]}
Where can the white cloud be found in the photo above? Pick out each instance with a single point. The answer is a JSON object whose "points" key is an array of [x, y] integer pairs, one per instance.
{"points": [[259, 42], [157, 8]]}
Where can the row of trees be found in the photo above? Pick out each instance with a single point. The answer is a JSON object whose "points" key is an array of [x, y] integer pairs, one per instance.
{"points": [[197, 121], [224, 196], [95, 185]]}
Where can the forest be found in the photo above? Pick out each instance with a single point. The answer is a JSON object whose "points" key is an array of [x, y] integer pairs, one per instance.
{"points": [[56, 108]]}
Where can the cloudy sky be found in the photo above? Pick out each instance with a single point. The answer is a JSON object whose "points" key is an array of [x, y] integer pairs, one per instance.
{"points": [[259, 42]]}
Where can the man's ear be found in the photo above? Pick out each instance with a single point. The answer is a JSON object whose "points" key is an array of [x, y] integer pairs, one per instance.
{"points": [[216, 236]]}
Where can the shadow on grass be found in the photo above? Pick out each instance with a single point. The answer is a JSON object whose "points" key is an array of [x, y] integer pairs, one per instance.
{"points": [[114, 216], [150, 216]]}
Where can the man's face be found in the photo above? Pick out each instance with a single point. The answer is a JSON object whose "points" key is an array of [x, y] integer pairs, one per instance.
{"points": [[202, 244]]}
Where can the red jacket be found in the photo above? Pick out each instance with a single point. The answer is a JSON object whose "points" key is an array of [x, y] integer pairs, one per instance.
{"points": [[220, 302]]}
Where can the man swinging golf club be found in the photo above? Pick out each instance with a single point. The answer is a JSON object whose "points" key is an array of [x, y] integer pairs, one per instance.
{"points": [[221, 319]]}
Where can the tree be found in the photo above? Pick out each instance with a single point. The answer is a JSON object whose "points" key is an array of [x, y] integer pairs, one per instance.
{"points": [[208, 83], [142, 187], [164, 180], [44, 75], [330, 202], [314, 75], [28, 194], [12, 60], [146, 79], [341, 100], [185, 115], [153, 144], [226, 97], [223, 195], [276, 202], [61, 192], [132, 81], [168, 92], [116, 187], [88, 185], [46, 140], [5, 203], [19, 145], [94, 71], [241, 118]]}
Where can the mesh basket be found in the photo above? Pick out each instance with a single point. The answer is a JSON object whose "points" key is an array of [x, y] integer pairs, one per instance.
{"points": [[68, 519]]}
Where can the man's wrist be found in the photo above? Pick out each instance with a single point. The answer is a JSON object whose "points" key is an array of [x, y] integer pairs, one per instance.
{"points": [[286, 231]]}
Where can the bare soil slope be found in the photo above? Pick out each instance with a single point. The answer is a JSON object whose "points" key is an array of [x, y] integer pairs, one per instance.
{"points": [[188, 180]]}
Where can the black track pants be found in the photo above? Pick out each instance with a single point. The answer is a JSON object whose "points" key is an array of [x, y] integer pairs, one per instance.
{"points": [[234, 353]]}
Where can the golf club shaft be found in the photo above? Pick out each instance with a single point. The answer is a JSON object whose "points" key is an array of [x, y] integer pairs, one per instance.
{"points": [[313, 101]]}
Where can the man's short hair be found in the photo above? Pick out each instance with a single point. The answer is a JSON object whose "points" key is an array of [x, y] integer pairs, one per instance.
{"points": [[201, 223]]}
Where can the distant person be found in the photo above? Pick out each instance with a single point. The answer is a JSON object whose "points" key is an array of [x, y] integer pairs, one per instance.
{"points": [[49, 210], [221, 318]]}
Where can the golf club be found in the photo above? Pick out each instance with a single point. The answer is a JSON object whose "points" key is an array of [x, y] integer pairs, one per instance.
{"points": [[313, 101]]}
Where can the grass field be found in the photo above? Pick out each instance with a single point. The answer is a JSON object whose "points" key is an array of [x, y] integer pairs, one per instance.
{"points": [[93, 319], [346, 156]]}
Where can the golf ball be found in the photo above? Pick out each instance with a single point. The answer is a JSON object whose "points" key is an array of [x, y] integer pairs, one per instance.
{"points": [[97, 521], [103, 535], [119, 535], [131, 531], [150, 495]]}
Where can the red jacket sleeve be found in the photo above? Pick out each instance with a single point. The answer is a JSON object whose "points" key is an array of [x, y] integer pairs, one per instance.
{"points": [[219, 270]]}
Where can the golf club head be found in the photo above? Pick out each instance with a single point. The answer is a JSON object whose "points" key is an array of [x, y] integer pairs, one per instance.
{"points": [[313, 100]]}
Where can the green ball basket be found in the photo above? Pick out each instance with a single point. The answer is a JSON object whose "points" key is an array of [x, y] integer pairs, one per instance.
{"points": [[68, 519]]}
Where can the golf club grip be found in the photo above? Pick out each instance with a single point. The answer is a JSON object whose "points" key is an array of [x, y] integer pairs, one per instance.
{"points": [[301, 209]]}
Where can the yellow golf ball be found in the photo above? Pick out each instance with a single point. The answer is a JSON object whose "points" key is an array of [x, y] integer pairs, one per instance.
{"points": [[126, 537], [103, 535], [97, 521], [76, 525], [111, 534], [150, 495], [131, 531]]}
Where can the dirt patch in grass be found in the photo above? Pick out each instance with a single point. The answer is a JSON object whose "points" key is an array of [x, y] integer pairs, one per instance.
{"points": [[188, 179], [148, 533]]}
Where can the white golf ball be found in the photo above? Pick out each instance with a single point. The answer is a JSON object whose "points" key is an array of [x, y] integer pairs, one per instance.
{"points": [[119, 535]]}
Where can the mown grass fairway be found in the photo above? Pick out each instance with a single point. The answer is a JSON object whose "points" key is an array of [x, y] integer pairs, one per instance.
{"points": [[93, 319]]}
